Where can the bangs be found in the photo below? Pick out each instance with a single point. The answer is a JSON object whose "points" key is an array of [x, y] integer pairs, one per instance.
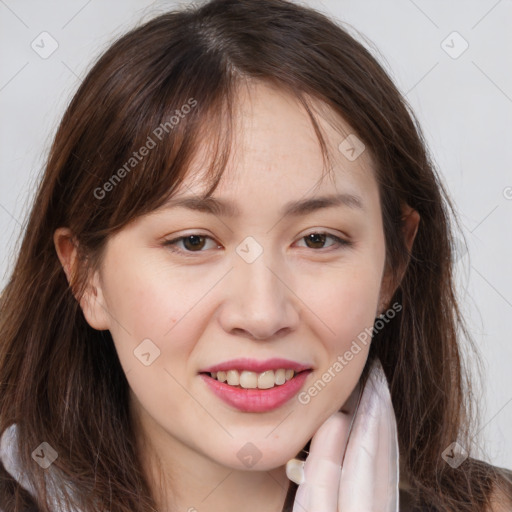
{"points": [[177, 131], [161, 133], [164, 108]]}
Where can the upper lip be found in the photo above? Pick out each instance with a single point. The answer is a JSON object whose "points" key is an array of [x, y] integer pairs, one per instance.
{"points": [[254, 365]]}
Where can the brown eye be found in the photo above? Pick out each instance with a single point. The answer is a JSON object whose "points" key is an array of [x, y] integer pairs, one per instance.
{"points": [[188, 244], [194, 242], [316, 240]]}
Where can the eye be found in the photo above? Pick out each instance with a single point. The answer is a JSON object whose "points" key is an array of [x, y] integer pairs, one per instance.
{"points": [[316, 240], [191, 243], [195, 243]]}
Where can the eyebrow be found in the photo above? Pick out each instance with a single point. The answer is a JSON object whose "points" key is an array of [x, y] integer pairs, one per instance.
{"points": [[296, 208]]}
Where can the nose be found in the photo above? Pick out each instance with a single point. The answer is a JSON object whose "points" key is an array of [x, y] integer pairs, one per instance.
{"points": [[259, 302]]}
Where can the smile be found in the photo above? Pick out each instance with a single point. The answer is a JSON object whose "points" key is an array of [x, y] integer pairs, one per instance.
{"points": [[252, 398], [250, 380]]}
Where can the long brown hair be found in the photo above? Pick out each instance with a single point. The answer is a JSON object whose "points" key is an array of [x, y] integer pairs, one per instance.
{"points": [[61, 380]]}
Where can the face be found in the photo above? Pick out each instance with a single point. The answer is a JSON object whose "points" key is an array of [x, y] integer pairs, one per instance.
{"points": [[302, 287]]}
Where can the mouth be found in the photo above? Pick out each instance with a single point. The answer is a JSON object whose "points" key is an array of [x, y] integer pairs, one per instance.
{"points": [[255, 399], [245, 379]]}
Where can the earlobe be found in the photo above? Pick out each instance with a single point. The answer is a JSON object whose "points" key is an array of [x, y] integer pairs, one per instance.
{"points": [[92, 300], [93, 305]]}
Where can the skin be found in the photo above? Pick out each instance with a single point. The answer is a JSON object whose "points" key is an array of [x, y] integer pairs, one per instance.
{"points": [[305, 303]]}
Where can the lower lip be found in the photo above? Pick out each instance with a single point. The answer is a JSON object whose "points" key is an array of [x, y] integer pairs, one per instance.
{"points": [[257, 400]]}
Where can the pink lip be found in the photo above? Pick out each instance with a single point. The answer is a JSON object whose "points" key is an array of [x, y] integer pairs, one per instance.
{"points": [[256, 400], [253, 365]]}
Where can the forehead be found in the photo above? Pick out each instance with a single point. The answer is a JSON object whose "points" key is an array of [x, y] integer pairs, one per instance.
{"points": [[276, 154]]}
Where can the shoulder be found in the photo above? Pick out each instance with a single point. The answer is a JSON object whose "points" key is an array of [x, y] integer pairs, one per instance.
{"points": [[501, 498], [12, 483], [500, 503], [12, 476], [8, 455], [408, 499]]}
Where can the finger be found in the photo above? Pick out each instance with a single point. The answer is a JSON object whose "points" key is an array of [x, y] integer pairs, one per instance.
{"points": [[322, 468], [369, 479]]}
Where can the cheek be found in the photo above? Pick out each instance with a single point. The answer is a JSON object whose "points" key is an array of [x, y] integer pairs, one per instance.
{"points": [[150, 300], [157, 336], [346, 332], [344, 299], [154, 321]]}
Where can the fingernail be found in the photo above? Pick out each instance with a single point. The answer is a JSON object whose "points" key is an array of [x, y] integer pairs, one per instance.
{"points": [[295, 471]]}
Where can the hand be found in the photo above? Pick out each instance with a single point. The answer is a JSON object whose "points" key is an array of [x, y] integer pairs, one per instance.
{"points": [[368, 481]]}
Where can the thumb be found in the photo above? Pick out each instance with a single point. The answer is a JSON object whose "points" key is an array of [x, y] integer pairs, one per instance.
{"points": [[319, 475]]}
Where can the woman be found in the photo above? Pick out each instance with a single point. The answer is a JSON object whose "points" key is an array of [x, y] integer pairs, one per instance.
{"points": [[185, 245]]}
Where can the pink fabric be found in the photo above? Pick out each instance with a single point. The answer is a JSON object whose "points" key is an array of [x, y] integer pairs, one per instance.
{"points": [[368, 481]]}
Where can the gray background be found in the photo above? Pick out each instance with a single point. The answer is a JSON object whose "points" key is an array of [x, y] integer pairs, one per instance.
{"points": [[463, 103]]}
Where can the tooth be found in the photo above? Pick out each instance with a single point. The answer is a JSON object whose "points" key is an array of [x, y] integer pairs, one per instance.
{"points": [[233, 377], [248, 380], [266, 380], [280, 376], [252, 380]]}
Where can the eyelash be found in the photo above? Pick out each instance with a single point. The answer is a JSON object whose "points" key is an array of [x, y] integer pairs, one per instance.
{"points": [[171, 244]]}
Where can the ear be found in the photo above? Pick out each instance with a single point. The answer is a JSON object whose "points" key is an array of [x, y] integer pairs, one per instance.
{"points": [[92, 301], [410, 222]]}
